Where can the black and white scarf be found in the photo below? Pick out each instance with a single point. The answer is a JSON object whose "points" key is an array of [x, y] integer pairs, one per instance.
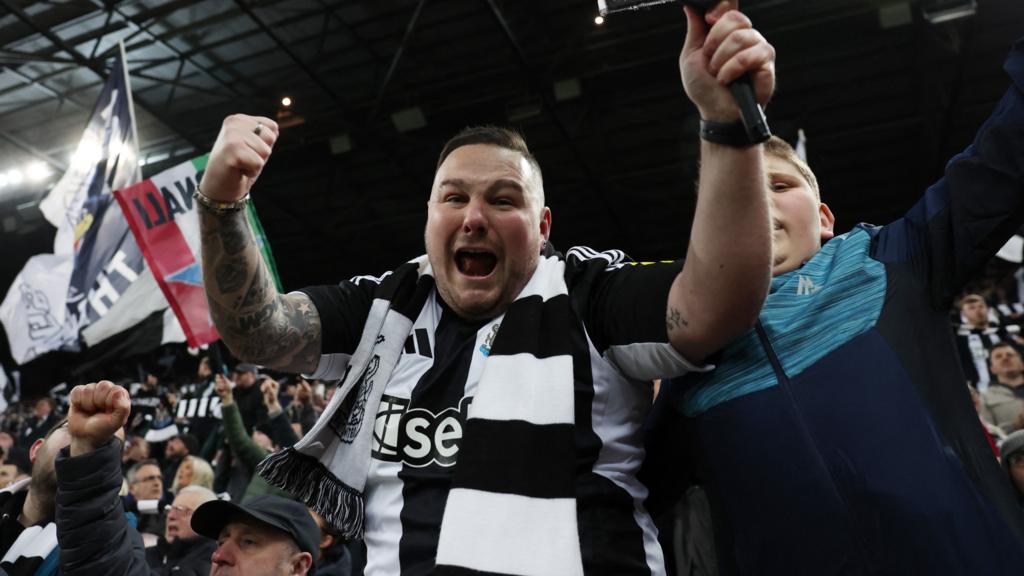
{"points": [[512, 505], [35, 552]]}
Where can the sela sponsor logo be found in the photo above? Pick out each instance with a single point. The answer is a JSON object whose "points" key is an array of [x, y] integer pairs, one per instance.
{"points": [[418, 437]]}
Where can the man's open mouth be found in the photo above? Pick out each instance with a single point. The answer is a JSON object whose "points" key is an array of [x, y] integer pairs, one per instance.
{"points": [[477, 263]]}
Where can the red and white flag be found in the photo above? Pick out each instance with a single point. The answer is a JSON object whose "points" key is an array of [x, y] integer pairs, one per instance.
{"points": [[162, 215]]}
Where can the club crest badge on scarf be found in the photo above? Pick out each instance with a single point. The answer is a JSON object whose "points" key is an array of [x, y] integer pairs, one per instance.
{"points": [[485, 348]]}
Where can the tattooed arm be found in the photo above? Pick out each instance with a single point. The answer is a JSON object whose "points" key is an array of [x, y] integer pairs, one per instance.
{"points": [[718, 294], [257, 323]]}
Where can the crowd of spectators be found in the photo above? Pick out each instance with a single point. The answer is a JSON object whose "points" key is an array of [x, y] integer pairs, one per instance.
{"points": [[988, 321], [188, 439]]}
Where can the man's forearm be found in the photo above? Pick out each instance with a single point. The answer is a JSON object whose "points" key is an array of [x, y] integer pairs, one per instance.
{"points": [[722, 286], [256, 322]]}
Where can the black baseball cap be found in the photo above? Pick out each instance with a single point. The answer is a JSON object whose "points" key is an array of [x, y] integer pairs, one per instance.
{"points": [[246, 367], [289, 516]]}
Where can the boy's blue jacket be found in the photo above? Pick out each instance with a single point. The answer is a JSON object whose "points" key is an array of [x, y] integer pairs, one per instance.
{"points": [[838, 436]]}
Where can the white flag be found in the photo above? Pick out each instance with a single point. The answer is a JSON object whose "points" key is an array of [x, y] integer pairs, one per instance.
{"points": [[33, 311]]}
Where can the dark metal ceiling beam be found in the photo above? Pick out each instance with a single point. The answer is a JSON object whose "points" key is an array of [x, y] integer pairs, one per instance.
{"points": [[95, 67], [363, 43], [38, 84], [395, 60], [358, 40], [62, 166], [284, 47], [177, 82], [343, 107], [181, 56], [16, 57]]}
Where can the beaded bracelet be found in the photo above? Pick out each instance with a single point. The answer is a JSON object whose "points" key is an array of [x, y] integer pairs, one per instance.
{"points": [[217, 207]]}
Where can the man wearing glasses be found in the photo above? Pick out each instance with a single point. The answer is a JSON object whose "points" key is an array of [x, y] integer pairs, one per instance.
{"points": [[146, 498], [182, 551]]}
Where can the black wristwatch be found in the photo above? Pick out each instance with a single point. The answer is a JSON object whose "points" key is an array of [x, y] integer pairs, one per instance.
{"points": [[732, 134]]}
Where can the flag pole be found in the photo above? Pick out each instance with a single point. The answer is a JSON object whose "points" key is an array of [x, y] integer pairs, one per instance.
{"points": [[131, 108]]}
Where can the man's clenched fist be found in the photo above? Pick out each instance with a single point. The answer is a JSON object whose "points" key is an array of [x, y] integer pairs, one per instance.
{"points": [[239, 154], [721, 46], [98, 411]]}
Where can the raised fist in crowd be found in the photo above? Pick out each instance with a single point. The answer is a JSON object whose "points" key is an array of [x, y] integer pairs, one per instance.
{"points": [[269, 389], [238, 156], [222, 386], [97, 412]]}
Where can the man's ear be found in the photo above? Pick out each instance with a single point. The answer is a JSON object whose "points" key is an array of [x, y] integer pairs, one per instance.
{"points": [[545, 223], [827, 221], [34, 449], [301, 563]]}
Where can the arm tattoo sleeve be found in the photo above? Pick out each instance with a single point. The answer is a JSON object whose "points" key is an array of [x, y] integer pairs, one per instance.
{"points": [[256, 322]]}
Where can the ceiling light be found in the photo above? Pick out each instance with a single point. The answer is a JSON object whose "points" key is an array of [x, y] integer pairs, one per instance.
{"points": [[409, 119], [939, 11], [286, 101], [599, 20], [567, 89], [87, 153], [37, 171], [3, 179], [14, 177]]}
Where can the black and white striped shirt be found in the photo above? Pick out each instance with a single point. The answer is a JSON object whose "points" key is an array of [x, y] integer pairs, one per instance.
{"points": [[619, 346]]}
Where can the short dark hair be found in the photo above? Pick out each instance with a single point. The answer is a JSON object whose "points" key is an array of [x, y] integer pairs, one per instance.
{"points": [[1001, 345], [972, 298], [500, 136]]}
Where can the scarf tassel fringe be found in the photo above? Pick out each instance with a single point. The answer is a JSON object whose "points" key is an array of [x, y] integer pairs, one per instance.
{"points": [[309, 481]]}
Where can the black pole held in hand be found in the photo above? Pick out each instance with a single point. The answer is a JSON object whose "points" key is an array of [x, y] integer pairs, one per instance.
{"points": [[742, 90], [750, 111]]}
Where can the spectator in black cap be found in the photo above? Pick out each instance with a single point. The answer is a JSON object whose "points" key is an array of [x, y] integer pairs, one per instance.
{"points": [[273, 534], [248, 396], [176, 450]]}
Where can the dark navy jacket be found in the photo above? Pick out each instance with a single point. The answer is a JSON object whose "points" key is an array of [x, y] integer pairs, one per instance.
{"points": [[838, 437]]}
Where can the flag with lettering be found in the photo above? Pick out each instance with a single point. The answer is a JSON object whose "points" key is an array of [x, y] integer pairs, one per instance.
{"points": [[107, 261], [55, 295], [161, 213]]}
